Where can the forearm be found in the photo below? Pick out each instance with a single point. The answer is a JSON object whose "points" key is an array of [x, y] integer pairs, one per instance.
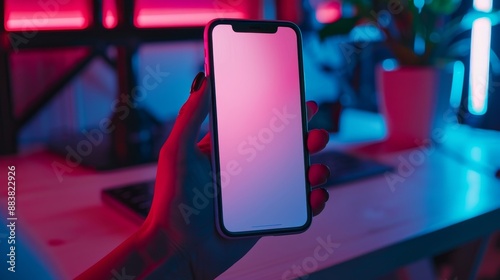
{"points": [[136, 257]]}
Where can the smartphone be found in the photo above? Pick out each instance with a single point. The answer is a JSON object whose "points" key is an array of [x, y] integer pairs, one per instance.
{"points": [[259, 126]]}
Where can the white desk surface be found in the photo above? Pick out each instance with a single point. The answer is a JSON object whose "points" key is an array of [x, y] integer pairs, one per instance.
{"points": [[440, 205]]}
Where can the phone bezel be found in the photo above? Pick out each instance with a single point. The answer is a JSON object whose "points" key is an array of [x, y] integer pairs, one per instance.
{"points": [[253, 26]]}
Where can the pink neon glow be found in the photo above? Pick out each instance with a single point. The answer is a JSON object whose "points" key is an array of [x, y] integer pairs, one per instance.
{"points": [[329, 12], [23, 21], [33, 15], [109, 19], [181, 17]]}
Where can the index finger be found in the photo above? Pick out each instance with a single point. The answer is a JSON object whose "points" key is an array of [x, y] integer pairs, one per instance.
{"points": [[312, 109]]}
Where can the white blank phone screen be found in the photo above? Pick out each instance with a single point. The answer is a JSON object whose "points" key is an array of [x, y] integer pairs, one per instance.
{"points": [[259, 126]]}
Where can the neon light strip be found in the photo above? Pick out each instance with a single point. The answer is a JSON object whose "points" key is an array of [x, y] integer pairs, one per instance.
{"points": [[479, 66], [181, 17], [479, 75], [110, 21], [457, 84], [27, 21], [483, 5]]}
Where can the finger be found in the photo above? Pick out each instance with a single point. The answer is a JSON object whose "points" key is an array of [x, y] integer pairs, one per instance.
{"points": [[318, 199], [312, 109], [318, 174], [193, 112], [317, 140], [205, 145]]}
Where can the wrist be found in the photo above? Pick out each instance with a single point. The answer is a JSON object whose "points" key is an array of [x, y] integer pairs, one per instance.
{"points": [[160, 253], [153, 243]]}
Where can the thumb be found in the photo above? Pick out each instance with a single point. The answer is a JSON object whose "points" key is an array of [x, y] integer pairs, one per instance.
{"points": [[192, 113]]}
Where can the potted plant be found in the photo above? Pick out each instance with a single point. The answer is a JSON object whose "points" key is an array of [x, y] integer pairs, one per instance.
{"points": [[420, 34]]}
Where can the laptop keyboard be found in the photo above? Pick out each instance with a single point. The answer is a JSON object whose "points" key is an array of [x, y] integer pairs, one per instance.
{"points": [[345, 167]]}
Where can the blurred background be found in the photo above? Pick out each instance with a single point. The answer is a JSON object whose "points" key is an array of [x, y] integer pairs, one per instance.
{"points": [[60, 73]]}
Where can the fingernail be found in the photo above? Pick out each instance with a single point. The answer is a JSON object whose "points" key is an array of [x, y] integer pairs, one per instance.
{"points": [[329, 171], [315, 106], [327, 194], [197, 82]]}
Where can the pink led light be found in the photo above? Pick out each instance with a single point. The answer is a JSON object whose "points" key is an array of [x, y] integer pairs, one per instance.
{"points": [[33, 15], [329, 12], [109, 20], [180, 17], [110, 17], [22, 21]]}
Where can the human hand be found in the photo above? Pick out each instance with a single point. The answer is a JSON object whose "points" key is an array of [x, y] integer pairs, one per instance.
{"points": [[182, 211]]}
